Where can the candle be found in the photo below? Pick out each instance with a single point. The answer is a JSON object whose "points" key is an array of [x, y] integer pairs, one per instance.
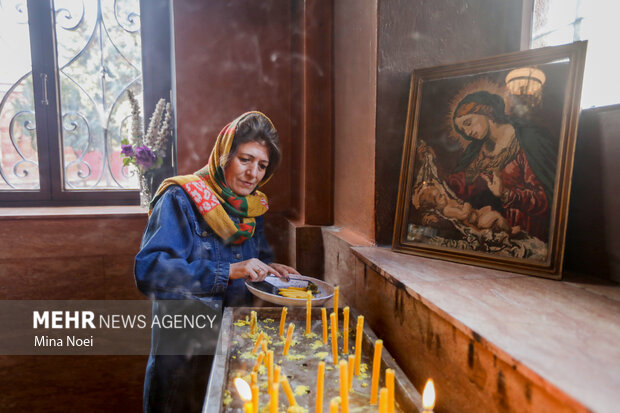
{"points": [[333, 406], [383, 400], [389, 383], [255, 397], [324, 318], [288, 391], [358, 343], [249, 407], [344, 386], [274, 400], [264, 345], [332, 318], [276, 374], [319, 388], [252, 322], [283, 321], [259, 360], [269, 368], [289, 336], [376, 366], [253, 378], [351, 366], [428, 396], [336, 290], [258, 341], [345, 330], [308, 311]]}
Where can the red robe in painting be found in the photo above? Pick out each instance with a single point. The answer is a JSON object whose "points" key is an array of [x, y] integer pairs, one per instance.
{"points": [[524, 203]]}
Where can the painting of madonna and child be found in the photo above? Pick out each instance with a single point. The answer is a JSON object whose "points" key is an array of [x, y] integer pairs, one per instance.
{"points": [[488, 158]]}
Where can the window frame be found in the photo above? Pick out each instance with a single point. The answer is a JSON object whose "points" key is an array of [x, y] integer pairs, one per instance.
{"points": [[157, 68]]}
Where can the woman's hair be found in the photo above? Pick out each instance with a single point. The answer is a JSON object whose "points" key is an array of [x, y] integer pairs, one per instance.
{"points": [[481, 103], [255, 127]]}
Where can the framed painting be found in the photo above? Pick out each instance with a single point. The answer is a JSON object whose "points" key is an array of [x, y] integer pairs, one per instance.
{"points": [[487, 160]]}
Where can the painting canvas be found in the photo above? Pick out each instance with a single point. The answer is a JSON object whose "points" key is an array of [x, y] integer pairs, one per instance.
{"points": [[487, 160]]}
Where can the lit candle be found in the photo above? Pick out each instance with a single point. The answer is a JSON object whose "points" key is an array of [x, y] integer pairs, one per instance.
{"points": [[319, 388], [269, 368], [274, 400], [383, 400], [243, 388], [255, 397], [358, 344], [288, 391], [344, 385], [258, 341], [283, 321], [345, 330], [332, 318], [376, 367], [389, 383], [333, 406], [252, 322], [249, 407], [308, 311], [253, 378], [336, 290], [351, 367], [324, 317], [259, 360], [289, 336], [276, 373], [428, 396]]}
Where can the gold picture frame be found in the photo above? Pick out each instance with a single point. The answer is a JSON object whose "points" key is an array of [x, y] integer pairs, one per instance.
{"points": [[487, 160]]}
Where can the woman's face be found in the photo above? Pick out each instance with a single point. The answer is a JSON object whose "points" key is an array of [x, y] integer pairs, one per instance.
{"points": [[247, 168], [473, 125]]}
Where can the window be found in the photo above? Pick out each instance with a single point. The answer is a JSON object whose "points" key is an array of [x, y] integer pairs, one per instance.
{"points": [[564, 21], [65, 69]]}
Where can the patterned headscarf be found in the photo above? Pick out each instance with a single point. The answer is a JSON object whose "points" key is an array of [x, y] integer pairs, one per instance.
{"points": [[215, 200]]}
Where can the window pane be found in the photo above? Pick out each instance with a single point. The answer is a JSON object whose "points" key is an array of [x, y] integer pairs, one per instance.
{"points": [[99, 57], [19, 169]]}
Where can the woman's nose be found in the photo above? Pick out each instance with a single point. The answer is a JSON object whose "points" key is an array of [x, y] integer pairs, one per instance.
{"points": [[252, 170]]}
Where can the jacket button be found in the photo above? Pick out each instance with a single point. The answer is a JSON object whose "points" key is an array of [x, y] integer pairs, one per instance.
{"points": [[204, 233]]}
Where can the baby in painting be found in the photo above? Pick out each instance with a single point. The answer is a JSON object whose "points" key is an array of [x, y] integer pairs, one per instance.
{"points": [[432, 196]]}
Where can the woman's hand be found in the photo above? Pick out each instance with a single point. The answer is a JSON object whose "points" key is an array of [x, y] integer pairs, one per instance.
{"points": [[254, 269], [284, 270], [494, 182]]}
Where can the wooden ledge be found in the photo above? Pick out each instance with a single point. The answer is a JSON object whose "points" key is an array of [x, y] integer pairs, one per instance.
{"points": [[563, 335], [30, 213]]}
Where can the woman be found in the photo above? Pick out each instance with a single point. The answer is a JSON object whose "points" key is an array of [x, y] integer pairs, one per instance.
{"points": [[509, 165], [204, 237]]}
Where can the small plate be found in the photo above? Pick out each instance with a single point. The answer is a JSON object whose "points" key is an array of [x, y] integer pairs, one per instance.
{"points": [[326, 291]]}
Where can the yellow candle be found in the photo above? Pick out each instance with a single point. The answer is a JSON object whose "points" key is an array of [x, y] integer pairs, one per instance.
{"points": [[376, 366], [383, 400], [274, 400], [255, 397], [253, 378], [336, 290], [258, 341], [253, 322], [358, 343], [351, 366], [249, 407], [264, 345], [344, 386], [289, 336], [308, 311], [324, 317], [389, 383], [269, 368], [288, 391], [276, 373], [259, 360], [319, 388], [333, 406], [332, 318], [345, 330], [283, 321]]}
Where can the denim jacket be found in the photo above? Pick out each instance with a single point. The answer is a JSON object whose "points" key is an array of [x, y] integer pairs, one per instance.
{"points": [[182, 257]]}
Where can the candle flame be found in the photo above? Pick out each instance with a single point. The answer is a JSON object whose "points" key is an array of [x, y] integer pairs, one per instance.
{"points": [[243, 388], [428, 396]]}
